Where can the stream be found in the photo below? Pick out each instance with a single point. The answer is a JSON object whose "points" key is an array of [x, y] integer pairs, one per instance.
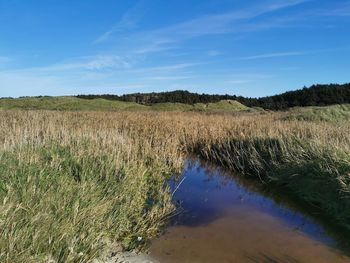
{"points": [[223, 217]]}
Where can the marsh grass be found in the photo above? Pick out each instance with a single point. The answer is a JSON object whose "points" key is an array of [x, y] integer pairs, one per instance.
{"points": [[72, 184]]}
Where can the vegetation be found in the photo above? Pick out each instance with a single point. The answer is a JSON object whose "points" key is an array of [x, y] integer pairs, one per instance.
{"points": [[77, 104], [335, 113], [316, 95], [73, 183], [67, 103], [178, 96]]}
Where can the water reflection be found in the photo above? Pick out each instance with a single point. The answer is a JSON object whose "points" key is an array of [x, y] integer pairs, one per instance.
{"points": [[219, 210]]}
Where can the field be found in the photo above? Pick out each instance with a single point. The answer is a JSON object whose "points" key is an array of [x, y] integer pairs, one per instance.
{"points": [[75, 184]]}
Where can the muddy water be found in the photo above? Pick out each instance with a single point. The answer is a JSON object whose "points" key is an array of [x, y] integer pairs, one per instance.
{"points": [[224, 218]]}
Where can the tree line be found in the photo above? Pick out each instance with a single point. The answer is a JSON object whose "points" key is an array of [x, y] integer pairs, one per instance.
{"points": [[316, 95]]}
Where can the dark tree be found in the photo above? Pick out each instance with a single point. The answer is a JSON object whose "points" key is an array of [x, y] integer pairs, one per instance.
{"points": [[316, 95]]}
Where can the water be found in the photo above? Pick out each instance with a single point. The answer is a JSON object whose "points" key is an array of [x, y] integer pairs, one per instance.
{"points": [[226, 218]]}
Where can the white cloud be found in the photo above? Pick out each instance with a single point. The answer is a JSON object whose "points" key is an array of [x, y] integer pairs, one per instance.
{"points": [[170, 77], [214, 24], [283, 4], [292, 53], [94, 75], [275, 55], [95, 63], [157, 45], [127, 22], [173, 67], [166, 38], [222, 23]]}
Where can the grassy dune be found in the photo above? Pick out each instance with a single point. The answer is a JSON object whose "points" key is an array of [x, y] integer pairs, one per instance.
{"points": [[68, 103], [335, 113], [75, 184], [77, 104]]}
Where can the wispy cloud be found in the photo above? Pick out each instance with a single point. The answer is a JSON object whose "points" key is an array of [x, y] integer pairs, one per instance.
{"points": [[336, 9], [224, 23], [38, 81], [155, 46], [327, 9], [214, 53], [95, 63], [128, 21], [166, 72], [284, 4], [105, 74], [172, 72], [237, 21], [173, 67], [213, 24], [292, 53], [77, 75], [275, 55], [171, 77], [167, 55], [341, 10]]}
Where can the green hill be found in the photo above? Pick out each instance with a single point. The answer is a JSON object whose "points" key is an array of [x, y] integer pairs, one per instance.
{"points": [[329, 113], [316, 95], [73, 103], [168, 106], [223, 105], [67, 103]]}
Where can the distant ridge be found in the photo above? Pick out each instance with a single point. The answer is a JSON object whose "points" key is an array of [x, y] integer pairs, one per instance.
{"points": [[316, 95], [67, 103]]}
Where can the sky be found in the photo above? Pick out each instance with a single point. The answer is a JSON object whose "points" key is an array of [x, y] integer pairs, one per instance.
{"points": [[251, 48]]}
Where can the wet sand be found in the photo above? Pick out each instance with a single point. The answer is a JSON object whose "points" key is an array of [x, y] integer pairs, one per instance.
{"points": [[244, 237]]}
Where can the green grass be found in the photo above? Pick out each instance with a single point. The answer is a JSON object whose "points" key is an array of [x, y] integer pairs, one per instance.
{"points": [[72, 103], [170, 107], [68, 103], [334, 113], [224, 105], [72, 184], [318, 176], [60, 205]]}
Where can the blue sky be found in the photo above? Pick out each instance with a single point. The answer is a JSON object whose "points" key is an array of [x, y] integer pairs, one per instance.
{"points": [[250, 48]]}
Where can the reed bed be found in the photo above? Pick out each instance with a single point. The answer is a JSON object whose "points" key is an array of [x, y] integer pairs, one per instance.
{"points": [[75, 185]]}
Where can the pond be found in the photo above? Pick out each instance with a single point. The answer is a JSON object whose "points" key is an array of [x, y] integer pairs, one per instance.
{"points": [[224, 217]]}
